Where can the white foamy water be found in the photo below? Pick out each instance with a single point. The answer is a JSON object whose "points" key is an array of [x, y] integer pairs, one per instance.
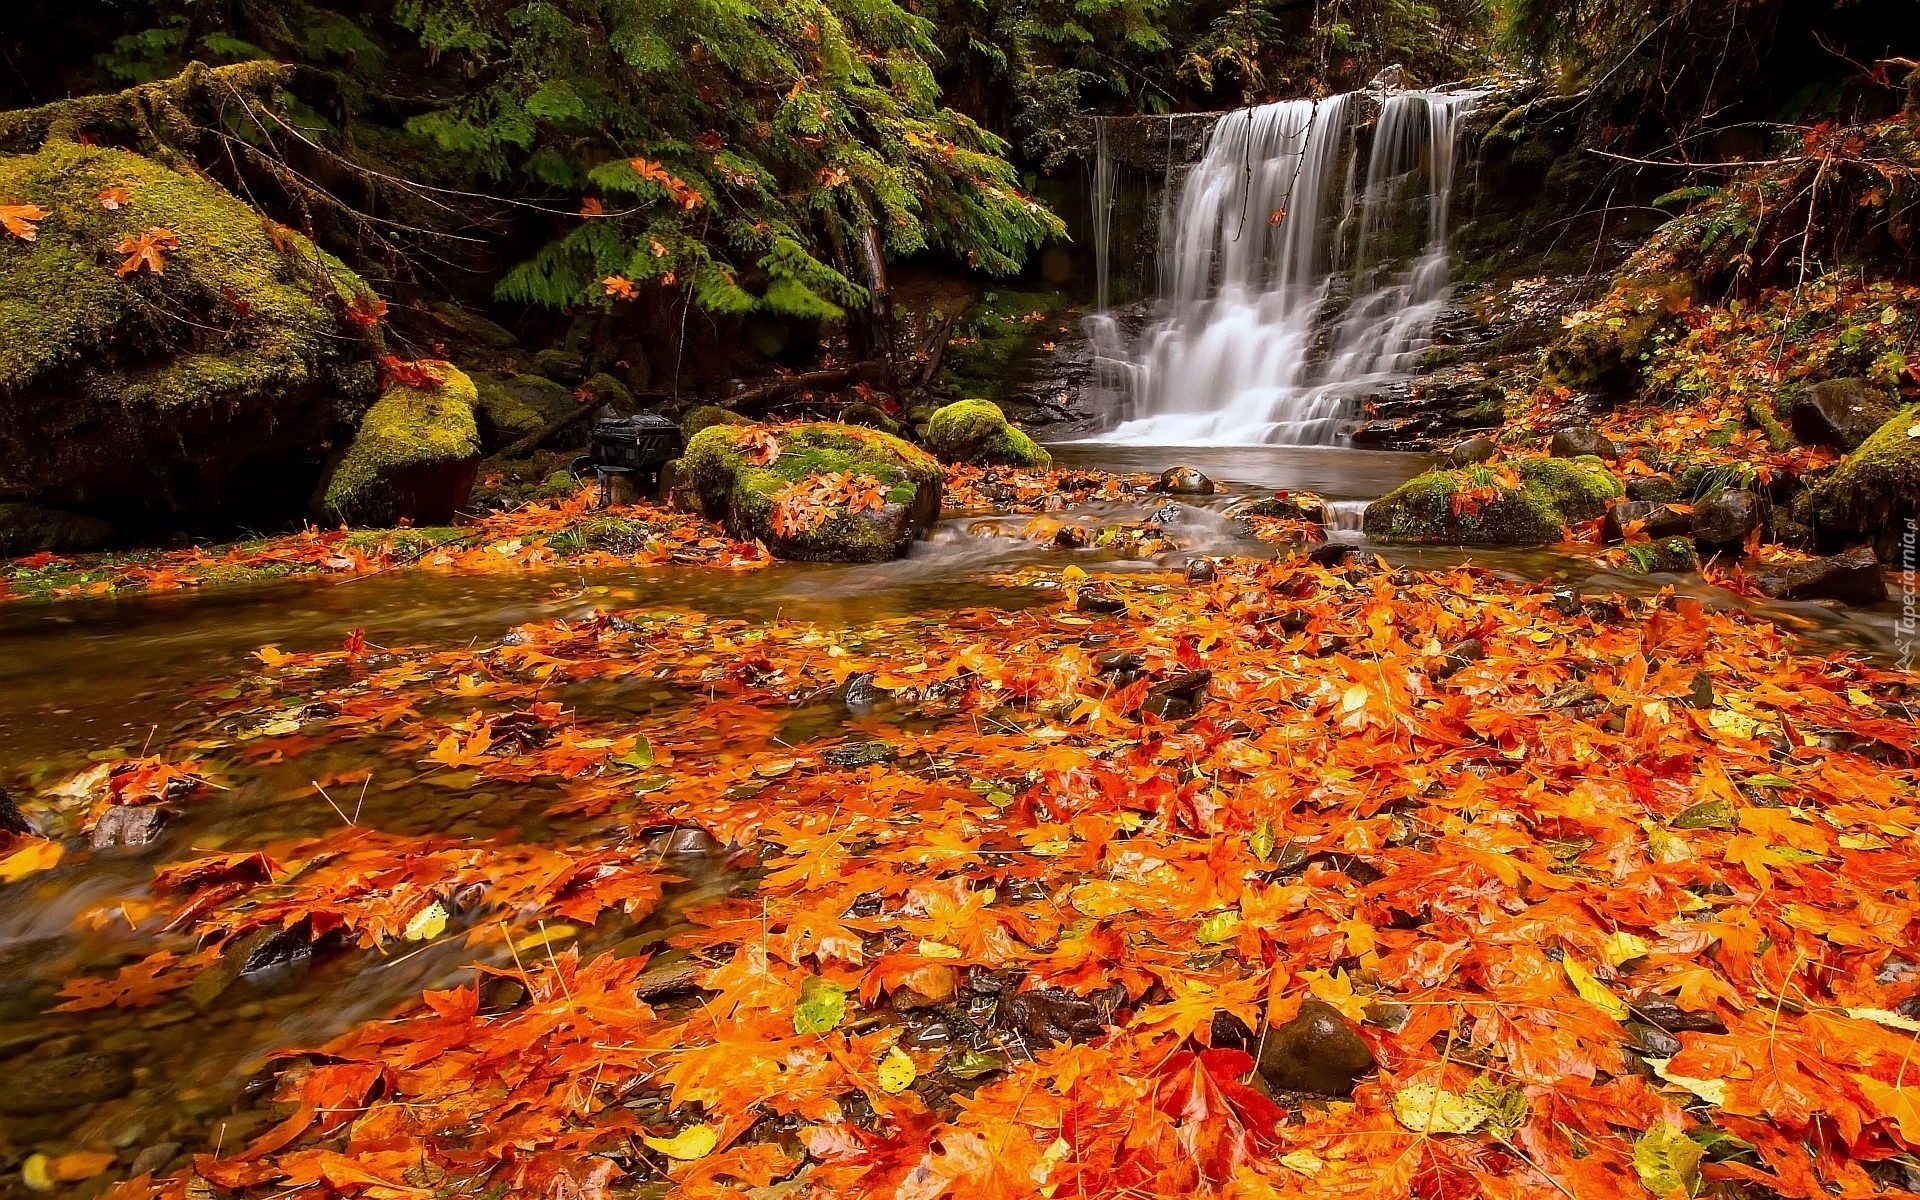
{"points": [[1283, 299]]}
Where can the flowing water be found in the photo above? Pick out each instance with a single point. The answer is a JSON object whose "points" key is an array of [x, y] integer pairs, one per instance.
{"points": [[1295, 280]]}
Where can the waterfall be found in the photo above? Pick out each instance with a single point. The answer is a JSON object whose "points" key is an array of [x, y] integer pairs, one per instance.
{"points": [[1292, 285], [1105, 177]]}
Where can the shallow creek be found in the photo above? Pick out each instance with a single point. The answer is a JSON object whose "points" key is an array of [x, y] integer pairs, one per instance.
{"points": [[82, 680]]}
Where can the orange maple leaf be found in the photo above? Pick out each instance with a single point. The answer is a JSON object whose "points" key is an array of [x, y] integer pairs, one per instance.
{"points": [[147, 251], [19, 220], [619, 287], [114, 198]]}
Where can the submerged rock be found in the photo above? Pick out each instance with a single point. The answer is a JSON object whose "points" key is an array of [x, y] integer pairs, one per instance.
{"points": [[121, 826], [1553, 494], [32, 1086], [12, 820], [1854, 577], [415, 457], [1654, 520], [719, 478], [977, 432], [233, 400], [1579, 441], [1185, 481], [1318, 1052], [1841, 413]]}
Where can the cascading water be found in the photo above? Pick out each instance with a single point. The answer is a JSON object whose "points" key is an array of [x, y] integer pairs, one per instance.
{"points": [[1286, 293]]}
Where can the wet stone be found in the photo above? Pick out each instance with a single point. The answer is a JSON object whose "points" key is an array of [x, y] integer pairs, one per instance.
{"points": [[1458, 658], [1185, 481], [1578, 441], [1662, 1012], [1653, 1041], [1657, 489], [1117, 660], [1471, 451], [859, 754], [1854, 577], [129, 827], [1047, 1016], [1318, 1052], [1656, 521], [1724, 519], [1202, 570], [32, 1086], [1179, 697], [1333, 554], [1100, 603], [860, 695], [12, 820]]}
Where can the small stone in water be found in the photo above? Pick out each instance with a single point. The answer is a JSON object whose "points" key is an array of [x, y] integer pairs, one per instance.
{"points": [[1185, 481], [129, 827], [1202, 570]]}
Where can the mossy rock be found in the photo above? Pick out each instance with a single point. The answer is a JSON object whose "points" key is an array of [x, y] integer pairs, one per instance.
{"points": [[509, 409], [871, 416], [706, 416], [28, 528], [716, 477], [1553, 494], [1673, 556], [1875, 492], [471, 327], [415, 457], [221, 382], [977, 432], [1604, 350]]}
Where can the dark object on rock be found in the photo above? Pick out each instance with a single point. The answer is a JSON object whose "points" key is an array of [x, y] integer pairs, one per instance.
{"points": [[1841, 413], [12, 820], [1169, 513], [1071, 537], [1578, 441], [1047, 1016], [31, 1086], [1333, 554], [1653, 1041], [860, 695], [1854, 577], [1318, 1052], [267, 957], [1654, 488], [641, 444], [154, 1158], [1117, 660], [1185, 481], [1202, 570], [1663, 1013], [859, 754], [1100, 603], [1457, 659], [1700, 694], [129, 827], [561, 366], [1177, 698], [1656, 521], [1723, 520], [1473, 450]]}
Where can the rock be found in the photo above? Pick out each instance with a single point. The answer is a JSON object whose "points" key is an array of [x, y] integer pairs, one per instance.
{"points": [[1202, 570], [1723, 520], [154, 1158], [1333, 554], [120, 826], [1185, 481], [1670, 556], [1653, 1041], [1655, 520], [1579, 441], [29, 528], [852, 755], [1459, 658], [1099, 602], [1177, 698], [602, 388], [1700, 692], [684, 841], [705, 416], [263, 957], [1046, 1016], [470, 327], [508, 409], [1853, 577], [1318, 1052], [108, 408], [32, 1086], [1473, 450], [871, 416], [1841, 413], [977, 432], [415, 457], [1602, 351], [561, 366], [1288, 508], [1875, 493], [1554, 493], [860, 695], [1072, 537], [1110, 661], [1653, 488], [716, 477], [12, 820]]}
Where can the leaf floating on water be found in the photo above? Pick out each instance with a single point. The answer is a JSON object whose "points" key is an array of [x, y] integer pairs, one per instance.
{"points": [[37, 856], [1668, 1161], [427, 924], [823, 1004], [897, 1072], [695, 1141]]}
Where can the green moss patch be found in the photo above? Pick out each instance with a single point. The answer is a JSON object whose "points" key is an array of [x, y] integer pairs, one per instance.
{"points": [[1875, 491], [1481, 505], [415, 456], [977, 432], [991, 337], [716, 474]]}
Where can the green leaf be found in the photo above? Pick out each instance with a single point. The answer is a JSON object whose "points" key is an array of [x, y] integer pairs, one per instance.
{"points": [[1668, 1161], [823, 1004], [969, 1063], [1708, 814], [640, 757], [1220, 927]]}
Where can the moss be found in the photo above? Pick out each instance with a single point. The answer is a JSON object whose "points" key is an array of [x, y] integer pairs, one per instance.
{"points": [[715, 474], [705, 416], [992, 336], [1553, 493], [615, 535], [1605, 348], [410, 455], [871, 416], [509, 409], [1673, 556], [976, 431], [151, 389], [1876, 489]]}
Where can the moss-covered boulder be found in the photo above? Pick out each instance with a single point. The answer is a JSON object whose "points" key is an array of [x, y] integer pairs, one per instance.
{"points": [[977, 432], [813, 493], [415, 457], [1603, 348], [1874, 495], [221, 381], [510, 408], [706, 416], [1527, 502]]}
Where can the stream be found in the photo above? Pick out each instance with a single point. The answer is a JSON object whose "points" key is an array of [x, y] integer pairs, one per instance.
{"points": [[81, 680]]}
